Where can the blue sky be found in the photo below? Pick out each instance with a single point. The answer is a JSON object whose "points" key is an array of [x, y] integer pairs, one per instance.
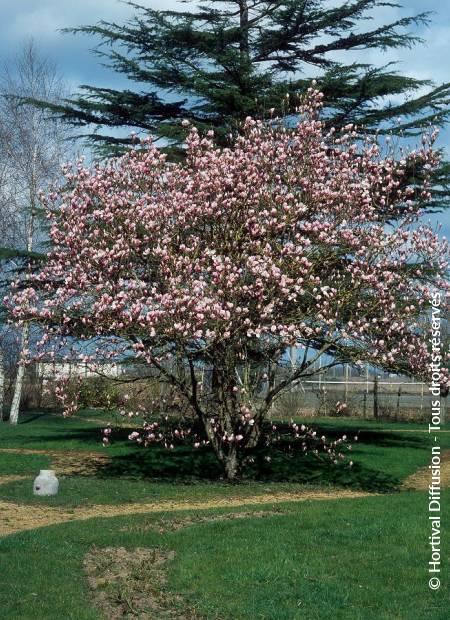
{"points": [[43, 19]]}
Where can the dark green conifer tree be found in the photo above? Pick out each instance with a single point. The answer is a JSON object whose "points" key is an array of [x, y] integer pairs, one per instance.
{"points": [[217, 62]]}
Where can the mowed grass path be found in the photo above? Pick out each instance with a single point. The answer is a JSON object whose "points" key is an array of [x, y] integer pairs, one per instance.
{"points": [[348, 558]]}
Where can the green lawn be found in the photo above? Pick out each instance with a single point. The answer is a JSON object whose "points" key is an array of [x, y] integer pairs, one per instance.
{"points": [[382, 458], [86, 491], [345, 558], [350, 559], [47, 431]]}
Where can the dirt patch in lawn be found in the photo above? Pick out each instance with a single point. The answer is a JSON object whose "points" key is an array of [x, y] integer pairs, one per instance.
{"points": [[172, 525], [421, 479], [131, 584], [68, 462], [19, 517]]}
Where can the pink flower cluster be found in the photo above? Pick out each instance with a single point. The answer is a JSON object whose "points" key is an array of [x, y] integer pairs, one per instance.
{"points": [[284, 236], [300, 236]]}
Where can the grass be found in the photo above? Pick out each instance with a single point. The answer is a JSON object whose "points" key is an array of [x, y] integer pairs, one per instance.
{"points": [[86, 491], [318, 560], [22, 465], [47, 431], [330, 560], [383, 459], [341, 559], [374, 453]]}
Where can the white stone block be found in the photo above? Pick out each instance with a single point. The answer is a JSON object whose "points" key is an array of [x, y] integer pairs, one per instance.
{"points": [[46, 483]]}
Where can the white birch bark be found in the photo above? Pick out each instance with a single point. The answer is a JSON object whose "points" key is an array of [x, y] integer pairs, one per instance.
{"points": [[18, 385], [25, 338]]}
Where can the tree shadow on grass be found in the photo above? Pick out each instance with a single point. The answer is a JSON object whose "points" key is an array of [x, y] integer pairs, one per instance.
{"points": [[274, 464], [188, 465], [185, 465], [46, 429], [32, 417]]}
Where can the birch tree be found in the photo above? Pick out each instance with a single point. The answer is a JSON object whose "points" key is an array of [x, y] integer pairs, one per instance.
{"points": [[9, 239], [32, 149]]}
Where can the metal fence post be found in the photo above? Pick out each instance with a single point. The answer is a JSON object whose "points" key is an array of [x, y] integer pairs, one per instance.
{"points": [[375, 397], [399, 395], [346, 384]]}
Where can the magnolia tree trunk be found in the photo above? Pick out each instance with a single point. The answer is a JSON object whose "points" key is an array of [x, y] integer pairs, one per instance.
{"points": [[2, 383], [231, 453], [222, 417], [232, 465], [228, 454], [15, 405]]}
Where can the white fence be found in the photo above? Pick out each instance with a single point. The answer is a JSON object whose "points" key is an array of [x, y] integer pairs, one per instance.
{"points": [[59, 370]]}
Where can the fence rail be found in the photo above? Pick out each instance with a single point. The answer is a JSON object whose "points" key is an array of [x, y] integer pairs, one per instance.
{"points": [[368, 396]]}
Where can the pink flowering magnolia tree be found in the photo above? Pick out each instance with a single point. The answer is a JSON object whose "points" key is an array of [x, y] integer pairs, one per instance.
{"points": [[207, 271]]}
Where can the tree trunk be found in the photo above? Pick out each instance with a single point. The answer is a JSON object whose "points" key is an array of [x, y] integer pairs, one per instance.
{"points": [[2, 383], [231, 465], [244, 47], [15, 405], [227, 453]]}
